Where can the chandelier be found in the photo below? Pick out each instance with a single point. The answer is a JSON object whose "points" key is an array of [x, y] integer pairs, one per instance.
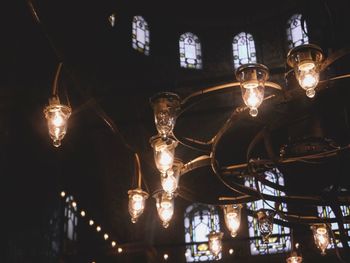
{"points": [[306, 64]]}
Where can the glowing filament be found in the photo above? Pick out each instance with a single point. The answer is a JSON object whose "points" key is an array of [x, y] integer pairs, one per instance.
{"points": [[136, 205], [321, 237]]}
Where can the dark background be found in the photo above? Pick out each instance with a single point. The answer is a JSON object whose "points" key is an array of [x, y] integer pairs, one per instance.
{"points": [[102, 71]]}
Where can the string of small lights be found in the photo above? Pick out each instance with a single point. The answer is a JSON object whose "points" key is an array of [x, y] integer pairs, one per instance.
{"points": [[92, 223]]}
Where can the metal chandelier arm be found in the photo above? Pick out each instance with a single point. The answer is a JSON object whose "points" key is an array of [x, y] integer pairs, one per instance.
{"points": [[55, 82]]}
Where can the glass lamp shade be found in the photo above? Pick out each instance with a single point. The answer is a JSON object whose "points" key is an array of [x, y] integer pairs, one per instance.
{"points": [[165, 207], [265, 223], [57, 116], [306, 61], [215, 243], [170, 179], [321, 237], [164, 152], [294, 259], [137, 199], [252, 78], [165, 107], [232, 215]]}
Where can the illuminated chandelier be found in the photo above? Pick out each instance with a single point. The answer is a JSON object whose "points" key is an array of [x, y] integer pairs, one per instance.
{"points": [[307, 62]]}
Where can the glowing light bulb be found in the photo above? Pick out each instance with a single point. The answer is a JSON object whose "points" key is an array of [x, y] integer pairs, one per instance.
{"points": [[166, 159], [321, 237], [169, 181], [265, 223], [294, 259], [82, 213], [98, 228], [113, 243], [232, 215], [120, 250], [57, 119], [164, 152], [137, 199], [57, 116], [252, 78], [231, 251], [63, 194], [74, 204], [165, 256], [165, 207], [91, 222], [306, 61], [105, 236], [215, 244]]}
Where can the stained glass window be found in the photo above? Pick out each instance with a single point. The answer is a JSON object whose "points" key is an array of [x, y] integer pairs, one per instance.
{"points": [[140, 35], [327, 212], [71, 219], [243, 47], [276, 244], [190, 51], [200, 220], [296, 34]]}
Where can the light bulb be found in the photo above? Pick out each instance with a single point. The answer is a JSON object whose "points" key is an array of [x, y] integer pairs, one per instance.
{"points": [[165, 256], [252, 78], [165, 159], [105, 236], [294, 259], [265, 223], [57, 116], [215, 244], [91, 222], [169, 181], [74, 204], [321, 237], [98, 228], [165, 106], [232, 215], [113, 243], [165, 207], [137, 199], [306, 61], [164, 152], [120, 250], [63, 194], [82, 213]]}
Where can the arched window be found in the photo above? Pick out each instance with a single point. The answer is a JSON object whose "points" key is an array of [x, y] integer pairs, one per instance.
{"points": [[296, 33], [280, 243], [327, 212], [140, 35], [200, 220], [243, 47], [190, 51], [70, 219]]}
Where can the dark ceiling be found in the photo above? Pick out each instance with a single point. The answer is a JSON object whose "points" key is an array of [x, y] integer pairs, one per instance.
{"points": [[104, 77]]}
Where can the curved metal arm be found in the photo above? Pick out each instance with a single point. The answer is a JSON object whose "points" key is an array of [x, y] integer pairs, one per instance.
{"points": [[138, 170], [55, 82], [225, 86]]}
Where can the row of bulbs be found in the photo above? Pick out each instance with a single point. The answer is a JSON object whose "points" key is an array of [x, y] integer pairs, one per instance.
{"points": [[306, 60], [92, 223]]}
